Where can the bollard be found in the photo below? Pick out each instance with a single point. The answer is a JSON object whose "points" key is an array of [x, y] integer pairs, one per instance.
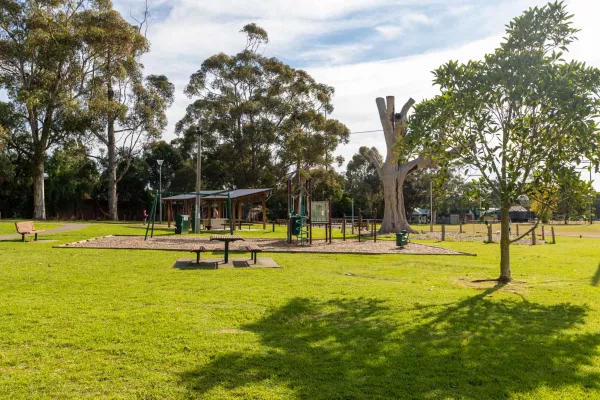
{"points": [[359, 223], [553, 237], [443, 232], [544, 233], [375, 225], [461, 228], [273, 225], [517, 229], [490, 240], [533, 237]]}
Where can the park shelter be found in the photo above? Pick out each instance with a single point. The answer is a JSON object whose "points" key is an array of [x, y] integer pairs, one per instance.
{"points": [[217, 199]]}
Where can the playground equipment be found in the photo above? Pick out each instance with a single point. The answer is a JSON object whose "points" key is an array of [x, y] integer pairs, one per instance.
{"points": [[303, 214]]}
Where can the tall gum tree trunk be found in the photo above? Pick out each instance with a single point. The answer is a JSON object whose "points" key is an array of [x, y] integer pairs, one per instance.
{"points": [[112, 173], [391, 172], [39, 201], [505, 274]]}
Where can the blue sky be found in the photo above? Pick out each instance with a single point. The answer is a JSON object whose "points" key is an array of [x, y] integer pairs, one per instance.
{"points": [[364, 48]]}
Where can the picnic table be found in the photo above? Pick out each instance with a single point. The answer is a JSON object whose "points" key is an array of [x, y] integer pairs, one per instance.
{"points": [[226, 239]]}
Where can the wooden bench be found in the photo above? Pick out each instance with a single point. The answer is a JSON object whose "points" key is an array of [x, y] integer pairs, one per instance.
{"points": [[26, 228], [253, 251], [198, 250], [248, 224]]}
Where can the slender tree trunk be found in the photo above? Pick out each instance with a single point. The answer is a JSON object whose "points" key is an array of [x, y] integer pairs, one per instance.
{"points": [[505, 274], [39, 201], [112, 172]]}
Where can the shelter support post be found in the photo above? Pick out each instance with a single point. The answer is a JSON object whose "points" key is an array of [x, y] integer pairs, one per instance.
{"points": [[264, 211]]}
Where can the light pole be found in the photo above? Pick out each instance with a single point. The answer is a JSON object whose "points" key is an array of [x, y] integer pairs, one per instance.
{"points": [[160, 163], [197, 214], [430, 206]]}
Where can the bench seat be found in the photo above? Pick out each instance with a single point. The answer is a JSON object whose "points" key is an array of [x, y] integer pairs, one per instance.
{"points": [[253, 249], [27, 228], [198, 250]]}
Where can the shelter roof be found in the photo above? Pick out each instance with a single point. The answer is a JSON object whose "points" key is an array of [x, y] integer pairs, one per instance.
{"points": [[220, 194]]}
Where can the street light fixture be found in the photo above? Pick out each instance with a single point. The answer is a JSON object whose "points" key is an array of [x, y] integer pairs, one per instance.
{"points": [[197, 215], [160, 163]]}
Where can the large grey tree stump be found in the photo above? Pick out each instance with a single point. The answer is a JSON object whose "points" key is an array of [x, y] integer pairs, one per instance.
{"points": [[392, 172]]}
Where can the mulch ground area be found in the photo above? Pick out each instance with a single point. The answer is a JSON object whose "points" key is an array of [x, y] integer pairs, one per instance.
{"points": [[187, 243]]}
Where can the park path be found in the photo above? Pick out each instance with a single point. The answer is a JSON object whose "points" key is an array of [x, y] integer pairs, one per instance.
{"points": [[60, 229]]}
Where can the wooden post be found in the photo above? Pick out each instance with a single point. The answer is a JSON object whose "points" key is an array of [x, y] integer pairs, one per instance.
{"points": [[359, 223], [330, 223], [490, 239], [517, 229], [544, 233], [375, 225], [344, 228], [533, 237], [169, 211], [234, 210], [461, 231], [443, 232], [553, 237], [264, 211], [239, 213]]}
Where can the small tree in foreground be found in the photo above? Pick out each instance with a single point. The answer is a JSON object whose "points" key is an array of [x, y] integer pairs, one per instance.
{"points": [[519, 116]]}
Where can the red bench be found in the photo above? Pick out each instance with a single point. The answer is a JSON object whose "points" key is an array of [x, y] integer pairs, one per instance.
{"points": [[26, 228]]}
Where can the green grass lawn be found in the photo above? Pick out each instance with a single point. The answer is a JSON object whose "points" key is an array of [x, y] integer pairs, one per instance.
{"points": [[124, 324]]}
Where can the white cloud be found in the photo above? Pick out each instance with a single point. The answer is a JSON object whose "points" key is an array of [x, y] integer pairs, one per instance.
{"points": [[390, 31]]}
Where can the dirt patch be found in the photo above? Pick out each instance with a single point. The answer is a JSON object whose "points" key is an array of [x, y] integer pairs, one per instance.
{"points": [[517, 287], [188, 243]]}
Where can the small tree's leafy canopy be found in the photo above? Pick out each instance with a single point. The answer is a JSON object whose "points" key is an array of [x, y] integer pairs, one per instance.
{"points": [[569, 198], [520, 115]]}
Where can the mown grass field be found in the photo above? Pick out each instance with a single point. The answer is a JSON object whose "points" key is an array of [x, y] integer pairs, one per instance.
{"points": [[123, 324]]}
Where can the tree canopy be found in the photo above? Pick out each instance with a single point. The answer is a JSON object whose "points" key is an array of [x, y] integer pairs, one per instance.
{"points": [[260, 116], [520, 115]]}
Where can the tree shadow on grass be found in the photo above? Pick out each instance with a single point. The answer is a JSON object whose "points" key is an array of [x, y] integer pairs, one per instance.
{"points": [[596, 277], [478, 348]]}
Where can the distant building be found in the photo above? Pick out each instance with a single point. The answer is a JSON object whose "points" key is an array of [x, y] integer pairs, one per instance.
{"points": [[419, 216]]}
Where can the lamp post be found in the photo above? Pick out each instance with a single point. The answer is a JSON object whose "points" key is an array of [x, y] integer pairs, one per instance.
{"points": [[160, 163], [430, 206], [197, 214]]}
